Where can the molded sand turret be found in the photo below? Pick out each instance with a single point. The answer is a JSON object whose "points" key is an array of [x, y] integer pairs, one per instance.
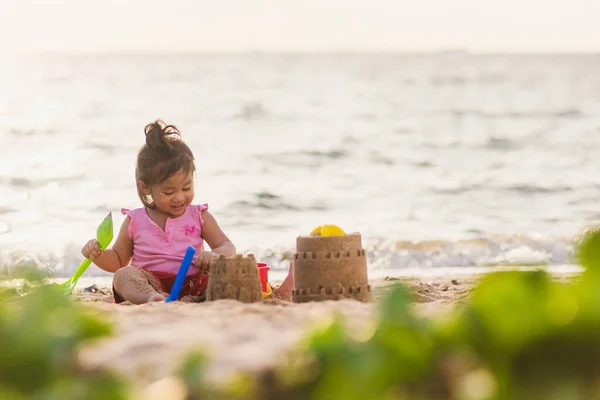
{"points": [[330, 268], [234, 278]]}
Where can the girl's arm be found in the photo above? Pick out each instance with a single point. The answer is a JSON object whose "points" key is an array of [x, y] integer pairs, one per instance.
{"points": [[119, 255], [214, 236]]}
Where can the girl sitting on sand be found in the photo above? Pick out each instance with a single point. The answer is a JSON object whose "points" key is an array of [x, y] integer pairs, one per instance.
{"points": [[154, 238]]}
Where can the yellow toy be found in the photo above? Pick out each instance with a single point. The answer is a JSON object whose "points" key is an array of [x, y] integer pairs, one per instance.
{"points": [[268, 292], [327, 230]]}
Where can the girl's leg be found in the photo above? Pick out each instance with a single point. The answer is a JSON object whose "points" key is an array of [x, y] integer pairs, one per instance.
{"points": [[285, 289], [132, 285]]}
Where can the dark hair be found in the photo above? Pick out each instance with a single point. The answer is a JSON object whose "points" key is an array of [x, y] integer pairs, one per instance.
{"points": [[163, 155]]}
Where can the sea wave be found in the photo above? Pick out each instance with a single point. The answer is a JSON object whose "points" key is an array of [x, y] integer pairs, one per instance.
{"points": [[488, 251]]}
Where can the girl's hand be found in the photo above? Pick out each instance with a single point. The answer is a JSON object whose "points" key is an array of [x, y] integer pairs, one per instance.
{"points": [[204, 260], [91, 250]]}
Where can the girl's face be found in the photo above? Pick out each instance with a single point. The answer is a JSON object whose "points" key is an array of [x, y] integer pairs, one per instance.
{"points": [[174, 194]]}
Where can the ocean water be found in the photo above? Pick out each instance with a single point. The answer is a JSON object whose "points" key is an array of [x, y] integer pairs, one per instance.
{"points": [[438, 160]]}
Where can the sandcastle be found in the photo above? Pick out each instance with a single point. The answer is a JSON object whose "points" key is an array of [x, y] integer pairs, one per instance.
{"points": [[234, 278], [330, 268]]}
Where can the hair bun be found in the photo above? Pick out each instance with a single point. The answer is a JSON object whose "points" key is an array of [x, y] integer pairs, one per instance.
{"points": [[159, 137]]}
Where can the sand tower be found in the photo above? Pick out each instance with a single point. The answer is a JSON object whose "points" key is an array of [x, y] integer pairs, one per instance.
{"points": [[234, 278], [330, 268]]}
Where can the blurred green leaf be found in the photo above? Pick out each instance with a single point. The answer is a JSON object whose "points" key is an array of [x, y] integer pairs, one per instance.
{"points": [[39, 338]]}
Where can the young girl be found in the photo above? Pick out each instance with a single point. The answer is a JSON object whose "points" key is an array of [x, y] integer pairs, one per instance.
{"points": [[154, 238]]}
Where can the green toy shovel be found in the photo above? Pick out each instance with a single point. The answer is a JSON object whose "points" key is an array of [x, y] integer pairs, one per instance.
{"points": [[104, 235]]}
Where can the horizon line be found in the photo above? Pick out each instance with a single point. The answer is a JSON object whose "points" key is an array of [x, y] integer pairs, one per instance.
{"points": [[316, 52]]}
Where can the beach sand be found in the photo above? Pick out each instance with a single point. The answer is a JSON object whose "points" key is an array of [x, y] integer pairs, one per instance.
{"points": [[150, 340]]}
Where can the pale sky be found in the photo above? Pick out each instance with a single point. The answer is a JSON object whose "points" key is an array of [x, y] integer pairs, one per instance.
{"points": [[299, 25]]}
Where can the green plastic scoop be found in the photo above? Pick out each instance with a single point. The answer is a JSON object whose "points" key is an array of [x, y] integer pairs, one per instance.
{"points": [[104, 235]]}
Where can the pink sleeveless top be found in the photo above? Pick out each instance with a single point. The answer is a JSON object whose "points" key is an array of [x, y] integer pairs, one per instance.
{"points": [[158, 250]]}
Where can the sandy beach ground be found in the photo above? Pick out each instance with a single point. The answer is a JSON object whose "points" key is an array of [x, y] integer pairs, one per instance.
{"points": [[150, 341]]}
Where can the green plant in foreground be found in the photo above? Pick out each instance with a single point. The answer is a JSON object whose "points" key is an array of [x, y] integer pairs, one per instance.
{"points": [[39, 337]]}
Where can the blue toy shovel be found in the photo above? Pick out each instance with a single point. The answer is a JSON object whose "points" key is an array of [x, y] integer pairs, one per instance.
{"points": [[183, 269]]}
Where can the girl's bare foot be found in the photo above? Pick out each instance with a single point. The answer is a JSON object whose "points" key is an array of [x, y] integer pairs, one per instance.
{"points": [[284, 291], [133, 285]]}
